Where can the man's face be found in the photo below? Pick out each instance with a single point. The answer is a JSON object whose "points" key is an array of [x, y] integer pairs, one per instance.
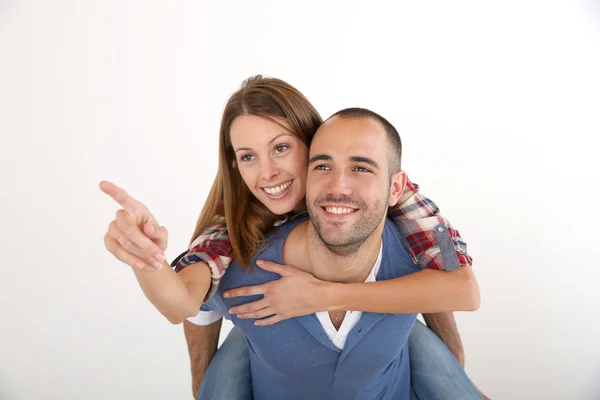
{"points": [[348, 187]]}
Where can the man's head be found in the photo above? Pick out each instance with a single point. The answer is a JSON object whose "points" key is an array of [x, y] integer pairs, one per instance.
{"points": [[353, 176]]}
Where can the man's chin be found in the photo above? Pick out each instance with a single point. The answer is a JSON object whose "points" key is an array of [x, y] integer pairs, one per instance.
{"points": [[335, 239], [343, 247]]}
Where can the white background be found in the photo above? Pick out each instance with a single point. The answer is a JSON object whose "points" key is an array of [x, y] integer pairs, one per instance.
{"points": [[498, 106]]}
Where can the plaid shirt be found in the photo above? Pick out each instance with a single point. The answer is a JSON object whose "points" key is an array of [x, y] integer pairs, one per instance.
{"points": [[432, 241]]}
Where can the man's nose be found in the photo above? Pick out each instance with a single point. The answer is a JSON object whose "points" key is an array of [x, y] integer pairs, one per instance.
{"points": [[339, 184]]}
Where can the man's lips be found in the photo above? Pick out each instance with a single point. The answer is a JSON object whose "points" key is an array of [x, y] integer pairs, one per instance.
{"points": [[338, 209]]}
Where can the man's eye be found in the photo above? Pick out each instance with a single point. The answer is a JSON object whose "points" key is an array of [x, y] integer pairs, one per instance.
{"points": [[322, 168], [281, 148], [362, 169], [247, 157]]}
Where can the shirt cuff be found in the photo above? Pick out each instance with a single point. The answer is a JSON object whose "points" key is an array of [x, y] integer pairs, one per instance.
{"points": [[205, 318]]}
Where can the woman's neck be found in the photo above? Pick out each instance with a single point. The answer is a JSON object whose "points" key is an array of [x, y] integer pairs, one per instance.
{"points": [[300, 207]]}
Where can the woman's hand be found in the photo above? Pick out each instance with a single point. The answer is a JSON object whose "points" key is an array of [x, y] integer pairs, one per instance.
{"points": [[134, 236], [297, 293]]}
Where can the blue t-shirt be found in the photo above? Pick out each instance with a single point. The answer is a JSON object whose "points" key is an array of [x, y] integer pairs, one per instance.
{"points": [[295, 359]]}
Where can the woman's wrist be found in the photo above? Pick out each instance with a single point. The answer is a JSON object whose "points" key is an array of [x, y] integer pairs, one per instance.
{"points": [[333, 295]]}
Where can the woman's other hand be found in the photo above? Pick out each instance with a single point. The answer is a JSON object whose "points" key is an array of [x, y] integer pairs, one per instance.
{"points": [[297, 293]]}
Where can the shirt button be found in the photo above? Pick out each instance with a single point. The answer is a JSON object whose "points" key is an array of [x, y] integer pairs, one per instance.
{"points": [[440, 229]]}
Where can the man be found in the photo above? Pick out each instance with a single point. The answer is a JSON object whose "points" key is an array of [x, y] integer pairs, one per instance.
{"points": [[354, 174], [375, 165]]}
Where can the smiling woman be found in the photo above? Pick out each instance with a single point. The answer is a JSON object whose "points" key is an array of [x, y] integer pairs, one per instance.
{"points": [[271, 162], [265, 121]]}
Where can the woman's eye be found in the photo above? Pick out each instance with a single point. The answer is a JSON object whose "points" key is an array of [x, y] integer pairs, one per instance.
{"points": [[281, 148], [247, 157]]}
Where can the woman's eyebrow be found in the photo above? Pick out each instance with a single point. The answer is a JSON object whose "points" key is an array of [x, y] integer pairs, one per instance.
{"points": [[278, 136], [270, 141]]}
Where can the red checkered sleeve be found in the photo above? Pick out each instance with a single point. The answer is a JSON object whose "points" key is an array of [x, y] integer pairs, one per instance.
{"points": [[432, 241], [214, 248]]}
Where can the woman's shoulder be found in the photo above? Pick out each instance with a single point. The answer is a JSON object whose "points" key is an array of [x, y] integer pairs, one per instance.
{"points": [[217, 231]]}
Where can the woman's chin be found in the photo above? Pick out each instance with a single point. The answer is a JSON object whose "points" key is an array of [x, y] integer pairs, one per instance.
{"points": [[279, 210], [281, 207]]}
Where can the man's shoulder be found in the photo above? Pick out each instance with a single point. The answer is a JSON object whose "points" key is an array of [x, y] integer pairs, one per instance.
{"points": [[271, 250], [393, 235], [396, 260]]}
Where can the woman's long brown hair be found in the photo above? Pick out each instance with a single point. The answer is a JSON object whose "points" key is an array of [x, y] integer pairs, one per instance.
{"points": [[230, 200]]}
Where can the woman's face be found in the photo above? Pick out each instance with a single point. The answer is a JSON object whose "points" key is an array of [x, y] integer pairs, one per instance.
{"points": [[272, 161]]}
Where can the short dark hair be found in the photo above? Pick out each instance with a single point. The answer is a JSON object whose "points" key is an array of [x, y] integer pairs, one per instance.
{"points": [[395, 154]]}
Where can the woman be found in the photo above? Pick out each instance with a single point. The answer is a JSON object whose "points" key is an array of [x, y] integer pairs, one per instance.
{"points": [[259, 185]]}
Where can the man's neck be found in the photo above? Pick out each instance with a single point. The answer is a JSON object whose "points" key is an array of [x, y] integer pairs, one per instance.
{"points": [[327, 265]]}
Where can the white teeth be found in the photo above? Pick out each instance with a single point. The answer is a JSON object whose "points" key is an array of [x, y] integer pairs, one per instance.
{"points": [[277, 189], [339, 210]]}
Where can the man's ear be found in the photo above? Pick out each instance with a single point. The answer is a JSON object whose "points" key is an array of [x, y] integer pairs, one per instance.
{"points": [[397, 187]]}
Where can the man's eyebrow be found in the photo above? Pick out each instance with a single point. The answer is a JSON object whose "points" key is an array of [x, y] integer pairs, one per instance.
{"points": [[270, 141], [320, 157], [365, 160], [357, 159]]}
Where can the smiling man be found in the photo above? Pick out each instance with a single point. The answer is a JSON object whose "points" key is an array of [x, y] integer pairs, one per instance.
{"points": [[349, 189], [354, 175]]}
